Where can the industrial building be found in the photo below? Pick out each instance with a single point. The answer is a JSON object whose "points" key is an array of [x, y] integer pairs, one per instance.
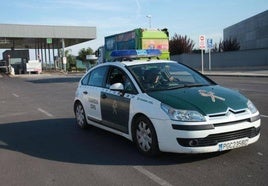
{"points": [[251, 33]]}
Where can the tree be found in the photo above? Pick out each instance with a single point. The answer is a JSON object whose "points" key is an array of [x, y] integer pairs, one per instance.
{"points": [[71, 59], [180, 44], [229, 45], [83, 53]]}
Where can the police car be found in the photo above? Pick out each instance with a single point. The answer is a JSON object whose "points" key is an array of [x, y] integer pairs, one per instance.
{"points": [[164, 106]]}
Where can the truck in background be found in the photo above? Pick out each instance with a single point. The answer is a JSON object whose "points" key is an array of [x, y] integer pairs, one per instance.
{"points": [[135, 39]]}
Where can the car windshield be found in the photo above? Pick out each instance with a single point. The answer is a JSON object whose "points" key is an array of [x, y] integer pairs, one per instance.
{"points": [[166, 76]]}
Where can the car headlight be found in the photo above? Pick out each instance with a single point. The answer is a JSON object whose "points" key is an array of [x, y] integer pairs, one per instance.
{"points": [[251, 107], [182, 115]]}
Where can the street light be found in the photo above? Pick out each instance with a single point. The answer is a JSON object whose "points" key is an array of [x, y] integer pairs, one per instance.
{"points": [[149, 18]]}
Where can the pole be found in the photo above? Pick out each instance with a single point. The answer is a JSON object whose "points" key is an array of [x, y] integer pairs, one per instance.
{"points": [[150, 21], [202, 61], [53, 51], [209, 59], [42, 56], [63, 55]]}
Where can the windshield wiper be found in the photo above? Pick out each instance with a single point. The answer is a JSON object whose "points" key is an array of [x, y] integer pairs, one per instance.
{"points": [[176, 87], [187, 86]]}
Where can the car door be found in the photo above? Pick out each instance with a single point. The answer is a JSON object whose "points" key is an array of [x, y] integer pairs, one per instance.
{"points": [[115, 105], [91, 93]]}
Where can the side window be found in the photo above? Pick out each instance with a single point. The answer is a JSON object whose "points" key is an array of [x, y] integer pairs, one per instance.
{"points": [[118, 76], [85, 80], [115, 76], [97, 76], [128, 85]]}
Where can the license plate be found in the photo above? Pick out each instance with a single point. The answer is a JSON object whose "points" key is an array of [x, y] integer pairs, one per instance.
{"points": [[233, 144]]}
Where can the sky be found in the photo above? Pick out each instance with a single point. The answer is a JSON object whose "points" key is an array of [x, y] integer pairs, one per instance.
{"points": [[189, 17]]}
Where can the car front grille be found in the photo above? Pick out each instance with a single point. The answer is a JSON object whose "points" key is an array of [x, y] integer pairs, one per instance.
{"points": [[214, 139]]}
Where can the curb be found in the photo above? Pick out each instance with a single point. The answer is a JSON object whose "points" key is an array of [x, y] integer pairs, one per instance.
{"points": [[236, 74]]}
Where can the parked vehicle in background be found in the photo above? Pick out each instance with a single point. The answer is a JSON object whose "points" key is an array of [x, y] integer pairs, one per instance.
{"points": [[135, 39]]}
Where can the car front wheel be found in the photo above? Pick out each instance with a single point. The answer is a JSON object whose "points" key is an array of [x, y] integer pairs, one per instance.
{"points": [[80, 116], [145, 137]]}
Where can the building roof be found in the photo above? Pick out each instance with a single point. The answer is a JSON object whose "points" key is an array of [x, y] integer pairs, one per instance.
{"points": [[33, 36]]}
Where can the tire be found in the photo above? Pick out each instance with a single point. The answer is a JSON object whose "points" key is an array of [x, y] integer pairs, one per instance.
{"points": [[144, 136], [80, 116]]}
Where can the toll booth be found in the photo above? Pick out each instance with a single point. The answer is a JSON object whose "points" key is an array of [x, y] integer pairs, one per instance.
{"points": [[17, 59]]}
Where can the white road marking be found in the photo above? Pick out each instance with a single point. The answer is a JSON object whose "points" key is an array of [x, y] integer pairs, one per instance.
{"points": [[16, 95], [152, 176], [264, 116], [45, 112]]}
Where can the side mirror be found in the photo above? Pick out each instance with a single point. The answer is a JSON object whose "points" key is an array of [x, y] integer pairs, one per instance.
{"points": [[117, 87]]}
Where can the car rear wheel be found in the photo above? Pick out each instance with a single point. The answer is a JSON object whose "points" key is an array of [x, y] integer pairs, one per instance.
{"points": [[145, 137], [80, 116]]}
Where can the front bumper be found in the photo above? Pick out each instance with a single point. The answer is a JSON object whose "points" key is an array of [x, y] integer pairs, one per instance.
{"points": [[172, 137]]}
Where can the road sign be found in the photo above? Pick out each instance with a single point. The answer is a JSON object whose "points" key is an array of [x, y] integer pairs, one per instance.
{"points": [[49, 40], [64, 60], [210, 46], [209, 43], [202, 43]]}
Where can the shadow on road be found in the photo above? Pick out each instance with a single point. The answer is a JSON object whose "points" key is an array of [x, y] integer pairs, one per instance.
{"points": [[60, 140]]}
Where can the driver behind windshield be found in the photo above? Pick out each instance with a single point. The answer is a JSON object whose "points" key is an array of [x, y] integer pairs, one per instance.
{"points": [[152, 78]]}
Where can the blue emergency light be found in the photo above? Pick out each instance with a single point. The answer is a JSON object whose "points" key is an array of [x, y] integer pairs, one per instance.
{"points": [[135, 53]]}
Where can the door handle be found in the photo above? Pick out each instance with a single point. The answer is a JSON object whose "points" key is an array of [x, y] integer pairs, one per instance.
{"points": [[103, 95], [85, 92]]}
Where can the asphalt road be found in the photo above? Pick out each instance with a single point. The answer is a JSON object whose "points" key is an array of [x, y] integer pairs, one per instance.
{"points": [[41, 145]]}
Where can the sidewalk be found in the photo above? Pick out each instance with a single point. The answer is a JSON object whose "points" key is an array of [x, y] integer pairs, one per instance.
{"points": [[255, 73], [49, 74]]}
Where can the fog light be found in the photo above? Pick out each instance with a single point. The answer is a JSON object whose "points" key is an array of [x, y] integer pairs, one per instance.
{"points": [[193, 143]]}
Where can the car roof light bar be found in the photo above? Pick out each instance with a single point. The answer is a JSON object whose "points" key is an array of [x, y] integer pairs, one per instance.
{"points": [[146, 53]]}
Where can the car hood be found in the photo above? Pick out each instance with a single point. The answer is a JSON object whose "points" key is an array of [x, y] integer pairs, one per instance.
{"points": [[205, 99]]}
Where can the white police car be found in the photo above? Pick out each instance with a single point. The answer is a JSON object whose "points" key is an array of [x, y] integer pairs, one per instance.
{"points": [[164, 106]]}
